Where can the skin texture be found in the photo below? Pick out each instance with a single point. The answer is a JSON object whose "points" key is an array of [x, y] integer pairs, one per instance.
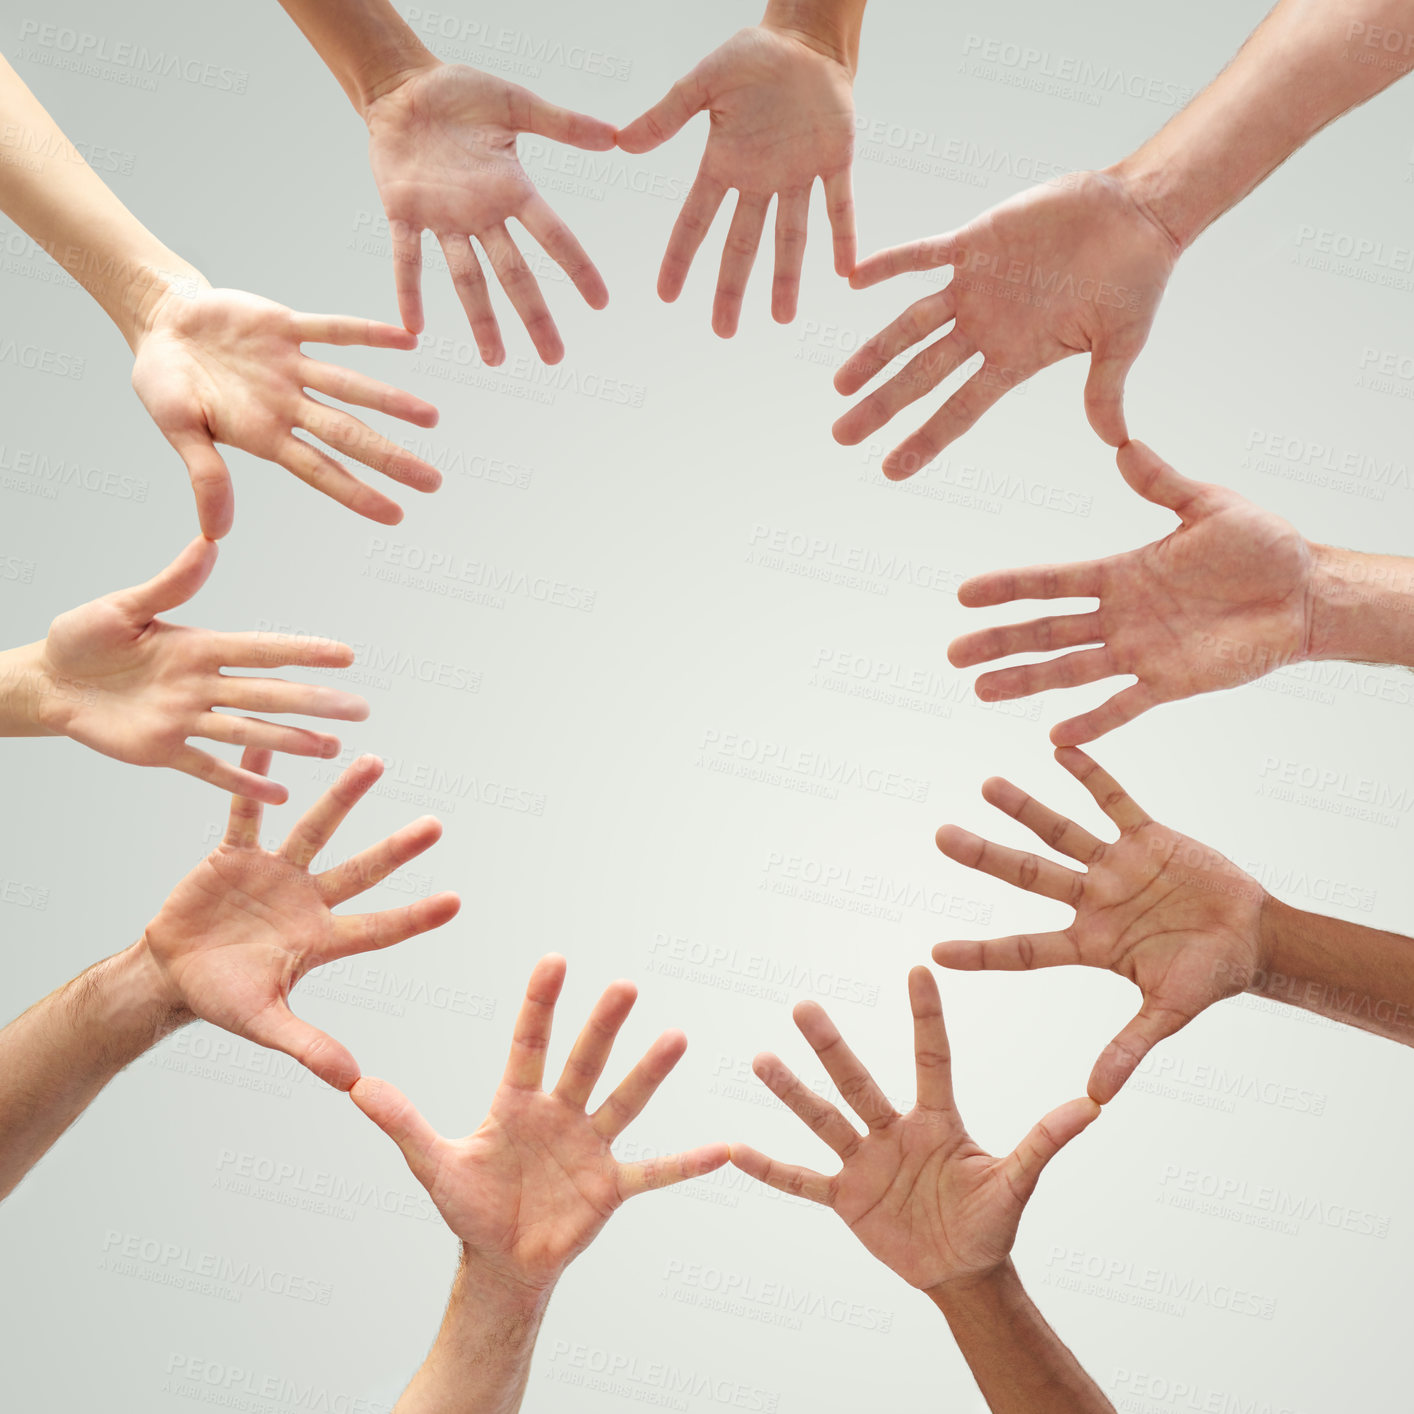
{"points": [[1225, 598], [1072, 267], [442, 145], [115, 677], [529, 1190], [223, 366], [782, 115], [247, 923], [1169, 914]]}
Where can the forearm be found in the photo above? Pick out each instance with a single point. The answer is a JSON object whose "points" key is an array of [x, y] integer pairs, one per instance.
{"points": [[366, 44], [57, 199], [1362, 607], [57, 1056], [1018, 1361], [1361, 976], [1307, 63], [28, 694], [480, 1361], [832, 26]]}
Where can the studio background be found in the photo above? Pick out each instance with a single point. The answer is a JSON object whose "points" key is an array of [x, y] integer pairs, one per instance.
{"points": [[650, 470]]}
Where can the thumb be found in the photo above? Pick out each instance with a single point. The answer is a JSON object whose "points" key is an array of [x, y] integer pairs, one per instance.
{"points": [[1104, 396], [667, 117], [1121, 1058], [1050, 1135], [399, 1119], [210, 481], [172, 586], [281, 1030], [1155, 480]]}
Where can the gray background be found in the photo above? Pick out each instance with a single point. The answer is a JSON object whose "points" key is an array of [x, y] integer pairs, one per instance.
{"points": [[653, 503]]}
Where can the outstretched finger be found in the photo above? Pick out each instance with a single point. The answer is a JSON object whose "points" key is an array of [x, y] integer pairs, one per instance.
{"points": [[274, 736], [1109, 795], [407, 273], [858, 1088], [243, 823], [667, 117], [672, 1168], [794, 1179], [346, 329], [918, 377], [926, 254], [371, 866], [523, 290], [210, 480], [639, 1086], [349, 386], [1023, 1167], [1027, 679], [1154, 479], [325, 475], [1123, 707], [276, 695], [470, 285], [1083, 580], [820, 1116], [563, 247], [738, 256], [345, 433], [689, 231], [986, 387], [919, 320], [368, 932], [192, 761], [1121, 1058], [932, 1054], [1012, 866], [1022, 952], [525, 1066], [532, 114], [839, 204], [171, 586], [314, 829], [1058, 832], [1039, 636], [792, 217], [399, 1119], [590, 1052], [277, 1027]]}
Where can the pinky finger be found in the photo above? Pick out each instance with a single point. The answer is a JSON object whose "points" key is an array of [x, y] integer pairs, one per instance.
{"points": [[193, 762], [674, 1168], [785, 1178], [1121, 708]]}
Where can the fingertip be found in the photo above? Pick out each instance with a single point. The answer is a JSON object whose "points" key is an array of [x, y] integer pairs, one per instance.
{"points": [[762, 1063]]}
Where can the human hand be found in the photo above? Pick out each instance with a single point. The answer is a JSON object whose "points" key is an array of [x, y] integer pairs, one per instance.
{"points": [[246, 924], [1221, 600], [1076, 266], [1176, 918], [225, 366], [532, 1187], [916, 1189], [120, 680], [442, 144], [782, 115]]}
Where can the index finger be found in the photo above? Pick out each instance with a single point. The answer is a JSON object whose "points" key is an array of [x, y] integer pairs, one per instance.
{"points": [[243, 824], [926, 254], [349, 329], [1109, 795], [315, 827], [857, 1087]]}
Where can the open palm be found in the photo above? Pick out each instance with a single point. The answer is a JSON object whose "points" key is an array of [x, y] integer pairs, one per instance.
{"points": [[225, 366], [782, 115], [1223, 599], [531, 1188], [247, 923], [915, 1189], [1075, 266], [1174, 917], [442, 146]]}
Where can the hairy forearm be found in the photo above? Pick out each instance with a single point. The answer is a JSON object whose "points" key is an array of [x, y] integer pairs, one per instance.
{"points": [[57, 1056], [832, 26], [481, 1359], [1307, 63], [366, 44], [1018, 1361], [1362, 607], [1350, 973], [57, 199]]}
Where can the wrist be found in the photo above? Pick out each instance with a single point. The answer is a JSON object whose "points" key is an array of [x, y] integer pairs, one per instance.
{"points": [[1361, 607], [1156, 190], [1274, 924], [986, 1287], [126, 996], [830, 27], [386, 69], [151, 287], [515, 1299], [29, 701]]}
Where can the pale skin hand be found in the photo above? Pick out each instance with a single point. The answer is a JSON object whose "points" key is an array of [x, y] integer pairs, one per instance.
{"points": [[1174, 917], [1076, 266], [782, 115], [247, 923], [224, 366], [115, 677], [916, 1189], [442, 144], [1222, 600], [531, 1188]]}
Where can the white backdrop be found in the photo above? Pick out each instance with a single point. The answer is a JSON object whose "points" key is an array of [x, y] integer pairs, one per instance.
{"points": [[653, 470]]}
